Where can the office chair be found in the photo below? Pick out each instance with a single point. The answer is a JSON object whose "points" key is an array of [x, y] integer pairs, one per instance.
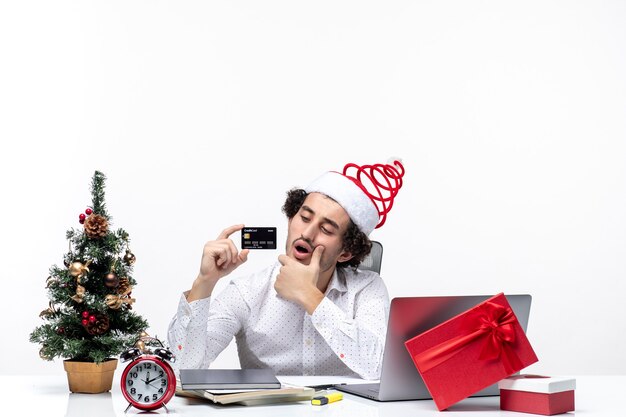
{"points": [[374, 259]]}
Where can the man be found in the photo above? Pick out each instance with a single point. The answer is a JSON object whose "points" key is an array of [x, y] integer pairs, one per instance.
{"points": [[312, 312]]}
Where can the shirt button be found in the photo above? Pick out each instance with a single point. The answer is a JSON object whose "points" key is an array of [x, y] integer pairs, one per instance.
{"points": [[309, 342]]}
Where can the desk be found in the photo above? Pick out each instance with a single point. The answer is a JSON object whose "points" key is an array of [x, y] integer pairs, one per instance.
{"points": [[596, 396]]}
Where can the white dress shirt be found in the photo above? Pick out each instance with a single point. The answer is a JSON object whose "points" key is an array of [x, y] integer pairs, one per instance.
{"points": [[345, 335]]}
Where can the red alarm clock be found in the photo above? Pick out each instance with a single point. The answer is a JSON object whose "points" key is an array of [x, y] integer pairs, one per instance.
{"points": [[148, 381]]}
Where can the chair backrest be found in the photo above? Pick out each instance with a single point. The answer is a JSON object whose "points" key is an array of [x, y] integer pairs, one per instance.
{"points": [[373, 261]]}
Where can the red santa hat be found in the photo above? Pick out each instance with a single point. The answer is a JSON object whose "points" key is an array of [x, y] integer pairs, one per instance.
{"points": [[366, 192]]}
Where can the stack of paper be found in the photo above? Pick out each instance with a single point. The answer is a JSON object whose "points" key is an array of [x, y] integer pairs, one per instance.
{"points": [[239, 386]]}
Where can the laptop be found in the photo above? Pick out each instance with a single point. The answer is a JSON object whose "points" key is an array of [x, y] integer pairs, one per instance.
{"points": [[408, 317]]}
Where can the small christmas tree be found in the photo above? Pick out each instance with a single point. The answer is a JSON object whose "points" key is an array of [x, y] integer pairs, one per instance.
{"points": [[90, 317]]}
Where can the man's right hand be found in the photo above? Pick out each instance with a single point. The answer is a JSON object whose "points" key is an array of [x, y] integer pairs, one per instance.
{"points": [[220, 257]]}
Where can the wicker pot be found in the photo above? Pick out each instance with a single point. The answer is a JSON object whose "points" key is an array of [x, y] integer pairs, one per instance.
{"points": [[90, 377]]}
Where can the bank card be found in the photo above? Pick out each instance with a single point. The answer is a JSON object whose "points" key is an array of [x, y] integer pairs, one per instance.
{"points": [[258, 238]]}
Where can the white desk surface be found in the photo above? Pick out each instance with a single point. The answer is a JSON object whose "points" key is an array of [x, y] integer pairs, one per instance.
{"points": [[49, 396]]}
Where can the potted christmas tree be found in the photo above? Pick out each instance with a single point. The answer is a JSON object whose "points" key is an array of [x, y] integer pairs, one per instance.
{"points": [[89, 319]]}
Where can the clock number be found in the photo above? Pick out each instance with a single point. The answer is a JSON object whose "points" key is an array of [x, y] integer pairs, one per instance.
{"points": [[130, 382], [161, 373], [154, 397], [133, 391], [147, 399], [160, 390], [163, 382], [134, 374]]}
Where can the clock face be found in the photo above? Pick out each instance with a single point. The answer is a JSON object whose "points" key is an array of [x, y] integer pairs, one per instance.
{"points": [[148, 382]]}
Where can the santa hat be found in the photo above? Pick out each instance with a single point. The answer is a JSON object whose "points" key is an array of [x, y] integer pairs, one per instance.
{"points": [[366, 192]]}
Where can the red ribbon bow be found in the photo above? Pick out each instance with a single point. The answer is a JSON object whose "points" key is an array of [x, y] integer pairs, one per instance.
{"points": [[494, 323]]}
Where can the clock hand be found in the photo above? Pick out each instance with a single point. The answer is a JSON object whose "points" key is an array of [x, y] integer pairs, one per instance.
{"points": [[148, 382]]}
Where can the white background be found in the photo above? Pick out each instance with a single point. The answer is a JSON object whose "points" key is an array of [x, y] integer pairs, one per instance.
{"points": [[509, 117]]}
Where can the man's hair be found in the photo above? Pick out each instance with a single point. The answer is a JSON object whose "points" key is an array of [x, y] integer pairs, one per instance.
{"points": [[354, 240]]}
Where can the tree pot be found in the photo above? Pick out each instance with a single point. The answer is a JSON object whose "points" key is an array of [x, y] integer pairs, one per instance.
{"points": [[90, 377]]}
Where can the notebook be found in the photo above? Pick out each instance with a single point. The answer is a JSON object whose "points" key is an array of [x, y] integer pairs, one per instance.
{"points": [[288, 393], [409, 316], [208, 379]]}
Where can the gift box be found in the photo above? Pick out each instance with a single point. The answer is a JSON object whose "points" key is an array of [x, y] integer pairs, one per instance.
{"points": [[471, 351], [537, 394]]}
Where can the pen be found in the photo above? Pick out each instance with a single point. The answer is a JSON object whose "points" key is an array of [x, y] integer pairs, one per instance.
{"points": [[327, 399]]}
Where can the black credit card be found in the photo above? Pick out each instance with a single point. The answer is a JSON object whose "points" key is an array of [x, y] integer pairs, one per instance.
{"points": [[258, 238]]}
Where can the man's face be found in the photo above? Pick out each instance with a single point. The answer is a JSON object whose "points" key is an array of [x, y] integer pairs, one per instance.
{"points": [[320, 221]]}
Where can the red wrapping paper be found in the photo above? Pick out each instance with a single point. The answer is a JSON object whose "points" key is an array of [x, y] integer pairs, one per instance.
{"points": [[537, 394], [471, 351], [537, 402]]}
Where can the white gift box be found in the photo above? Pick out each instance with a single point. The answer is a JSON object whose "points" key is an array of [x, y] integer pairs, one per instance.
{"points": [[537, 394]]}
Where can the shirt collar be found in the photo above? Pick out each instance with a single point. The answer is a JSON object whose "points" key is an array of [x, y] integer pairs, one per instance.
{"points": [[337, 282]]}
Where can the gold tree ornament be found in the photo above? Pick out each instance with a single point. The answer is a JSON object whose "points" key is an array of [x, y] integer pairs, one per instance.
{"points": [[50, 282], [48, 312], [115, 301], [77, 269], [141, 345], [43, 355], [80, 294], [96, 226], [129, 257]]}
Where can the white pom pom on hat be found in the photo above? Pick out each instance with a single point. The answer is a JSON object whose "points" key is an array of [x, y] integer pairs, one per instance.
{"points": [[366, 192]]}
